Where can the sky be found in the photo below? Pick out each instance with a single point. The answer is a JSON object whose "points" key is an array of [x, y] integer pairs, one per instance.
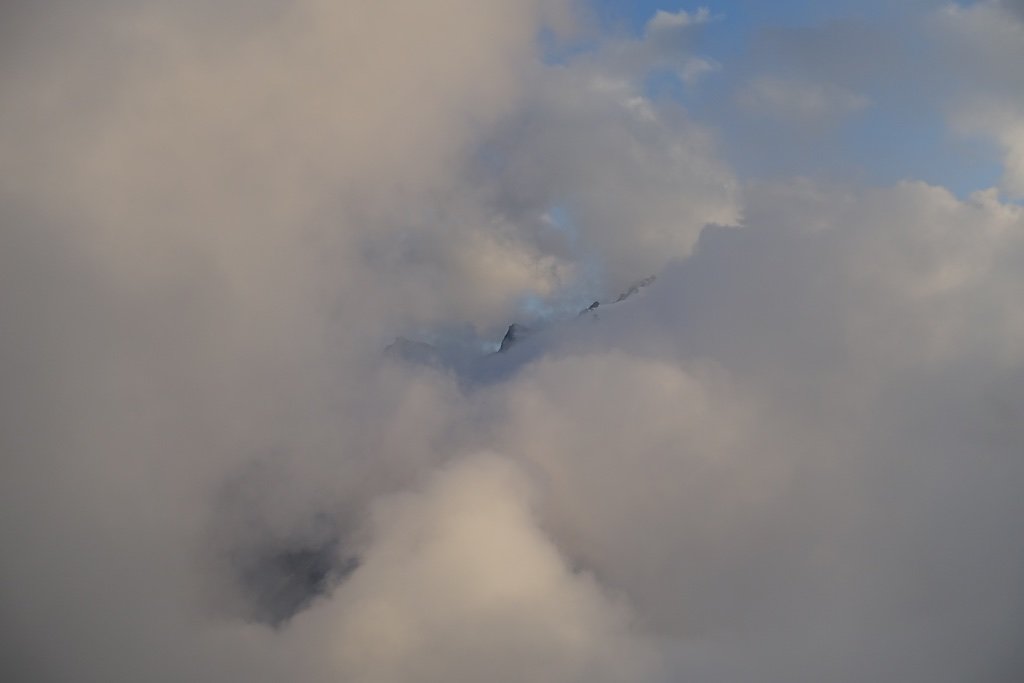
{"points": [[545, 340], [887, 139]]}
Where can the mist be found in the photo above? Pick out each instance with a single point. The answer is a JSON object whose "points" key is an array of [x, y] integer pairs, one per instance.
{"points": [[263, 417]]}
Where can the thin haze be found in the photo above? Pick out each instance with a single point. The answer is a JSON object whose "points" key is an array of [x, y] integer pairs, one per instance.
{"points": [[257, 260]]}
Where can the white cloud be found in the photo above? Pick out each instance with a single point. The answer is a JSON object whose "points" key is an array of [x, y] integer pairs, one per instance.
{"points": [[695, 69], [799, 101], [1003, 123], [793, 453], [663, 21], [638, 184], [795, 456], [987, 40], [460, 583]]}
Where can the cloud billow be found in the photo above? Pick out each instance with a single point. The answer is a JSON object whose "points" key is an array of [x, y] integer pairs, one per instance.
{"points": [[792, 455]]}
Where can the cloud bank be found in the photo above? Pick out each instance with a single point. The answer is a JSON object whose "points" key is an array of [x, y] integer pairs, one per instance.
{"points": [[794, 456]]}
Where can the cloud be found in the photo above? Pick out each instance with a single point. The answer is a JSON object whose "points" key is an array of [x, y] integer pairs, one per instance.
{"points": [[799, 102], [461, 583], [779, 452], [1005, 126], [1013, 6], [216, 220], [792, 456], [635, 185], [665, 22], [987, 40]]}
